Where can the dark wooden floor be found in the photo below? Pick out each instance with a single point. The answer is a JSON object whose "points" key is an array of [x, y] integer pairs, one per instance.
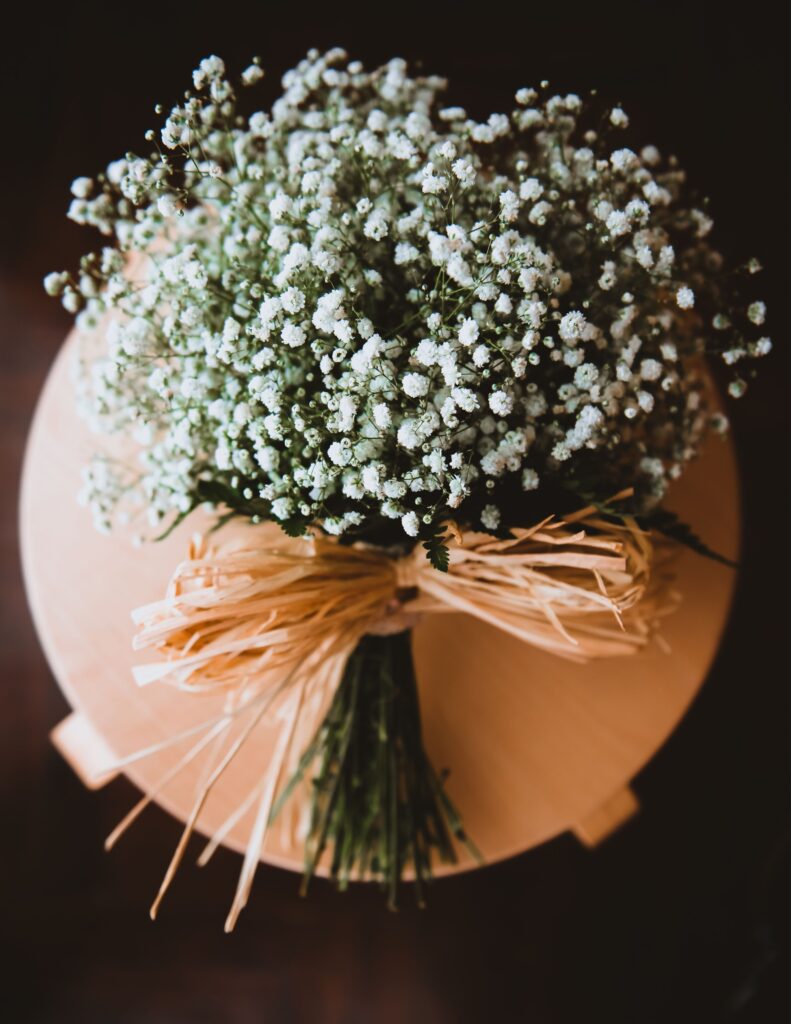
{"points": [[680, 917]]}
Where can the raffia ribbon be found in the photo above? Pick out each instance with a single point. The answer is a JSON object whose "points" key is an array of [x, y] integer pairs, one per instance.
{"points": [[579, 587], [272, 626]]}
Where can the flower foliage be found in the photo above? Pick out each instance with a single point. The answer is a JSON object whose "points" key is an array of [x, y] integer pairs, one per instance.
{"points": [[364, 307]]}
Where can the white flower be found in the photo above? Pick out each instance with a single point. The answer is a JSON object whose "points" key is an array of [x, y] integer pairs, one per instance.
{"points": [[533, 313], [293, 335], [493, 463], [585, 376], [338, 454], [278, 238], [530, 480], [382, 415], [619, 118], [465, 399], [666, 260], [509, 205], [415, 385], [81, 187], [468, 333], [347, 411], [282, 508], [427, 352], [526, 96], [504, 305], [448, 412], [293, 300], [458, 490], [756, 313], [623, 159], [465, 172], [499, 124], [281, 206], [195, 275], [400, 146], [501, 403], [618, 223], [252, 74], [530, 190], [637, 210], [685, 298], [231, 329], [342, 330], [296, 258], [405, 253], [481, 355], [394, 488], [408, 435], [209, 69], [269, 310], [703, 223], [55, 283], [645, 400], [432, 183], [540, 212], [371, 477], [459, 270], [411, 524], [363, 360], [376, 226], [573, 327], [490, 517], [167, 205], [650, 369]]}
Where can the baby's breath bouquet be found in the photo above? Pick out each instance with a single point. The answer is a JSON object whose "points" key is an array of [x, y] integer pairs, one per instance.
{"points": [[383, 325]]}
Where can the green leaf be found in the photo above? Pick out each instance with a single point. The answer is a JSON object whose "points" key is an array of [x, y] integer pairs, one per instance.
{"points": [[297, 526], [669, 524], [439, 556], [438, 553], [216, 493], [434, 537]]}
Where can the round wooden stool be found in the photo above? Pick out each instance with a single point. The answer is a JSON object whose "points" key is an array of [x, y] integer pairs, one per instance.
{"points": [[536, 745]]}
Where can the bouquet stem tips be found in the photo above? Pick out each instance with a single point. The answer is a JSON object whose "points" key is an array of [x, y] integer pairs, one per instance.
{"points": [[378, 808]]}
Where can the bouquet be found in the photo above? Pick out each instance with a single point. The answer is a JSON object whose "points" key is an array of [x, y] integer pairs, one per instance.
{"points": [[438, 364]]}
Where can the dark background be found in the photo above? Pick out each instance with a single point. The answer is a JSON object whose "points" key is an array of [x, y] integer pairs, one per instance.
{"points": [[682, 915]]}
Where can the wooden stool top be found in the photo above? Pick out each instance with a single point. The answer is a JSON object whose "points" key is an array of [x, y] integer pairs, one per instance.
{"points": [[536, 745]]}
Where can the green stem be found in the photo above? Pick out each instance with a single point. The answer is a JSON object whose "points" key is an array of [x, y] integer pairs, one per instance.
{"points": [[377, 802]]}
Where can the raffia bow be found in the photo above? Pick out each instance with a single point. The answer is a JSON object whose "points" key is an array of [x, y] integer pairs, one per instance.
{"points": [[272, 626], [578, 587]]}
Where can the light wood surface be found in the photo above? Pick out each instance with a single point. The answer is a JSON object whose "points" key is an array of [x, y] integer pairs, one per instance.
{"points": [[536, 745]]}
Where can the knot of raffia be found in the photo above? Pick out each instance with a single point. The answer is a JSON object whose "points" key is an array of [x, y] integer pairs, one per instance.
{"points": [[581, 587]]}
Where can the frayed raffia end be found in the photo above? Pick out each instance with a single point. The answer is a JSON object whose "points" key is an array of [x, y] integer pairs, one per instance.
{"points": [[272, 627]]}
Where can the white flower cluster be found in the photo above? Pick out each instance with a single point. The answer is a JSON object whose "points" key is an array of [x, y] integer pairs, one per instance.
{"points": [[363, 307]]}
